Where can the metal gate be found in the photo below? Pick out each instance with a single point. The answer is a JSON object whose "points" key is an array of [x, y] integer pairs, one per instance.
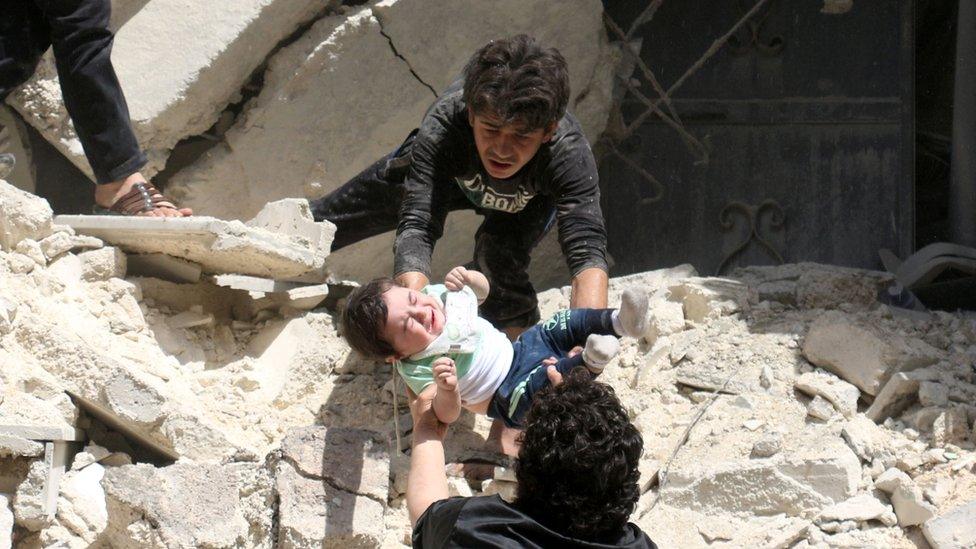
{"points": [[758, 132]]}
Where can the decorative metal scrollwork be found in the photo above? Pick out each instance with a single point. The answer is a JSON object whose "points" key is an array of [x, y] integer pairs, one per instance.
{"points": [[753, 214], [753, 36]]}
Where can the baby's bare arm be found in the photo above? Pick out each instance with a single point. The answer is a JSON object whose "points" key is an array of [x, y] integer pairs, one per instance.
{"points": [[447, 400], [460, 276]]}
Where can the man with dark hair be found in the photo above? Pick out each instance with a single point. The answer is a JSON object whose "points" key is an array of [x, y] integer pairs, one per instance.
{"points": [[498, 141], [82, 41], [577, 477]]}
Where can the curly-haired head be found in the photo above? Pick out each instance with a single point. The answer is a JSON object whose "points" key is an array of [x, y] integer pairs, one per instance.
{"points": [[364, 317], [518, 81], [577, 467]]}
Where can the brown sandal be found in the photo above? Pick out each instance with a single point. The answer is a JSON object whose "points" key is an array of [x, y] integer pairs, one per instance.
{"points": [[143, 197]]}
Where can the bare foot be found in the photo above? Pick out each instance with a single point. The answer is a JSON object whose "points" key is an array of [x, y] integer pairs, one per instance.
{"points": [[109, 193]]}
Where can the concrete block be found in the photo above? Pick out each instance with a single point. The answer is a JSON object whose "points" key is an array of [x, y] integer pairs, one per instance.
{"points": [[910, 506], [188, 505], [891, 479], [950, 427], [102, 264], [867, 439], [897, 394], [22, 215], [218, 246], [706, 298], [857, 354], [81, 506], [60, 242], [841, 394], [254, 283], [15, 446], [199, 65], [953, 530], [165, 267]]}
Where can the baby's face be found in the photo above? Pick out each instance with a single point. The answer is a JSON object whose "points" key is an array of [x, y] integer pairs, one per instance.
{"points": [[413, 320]]}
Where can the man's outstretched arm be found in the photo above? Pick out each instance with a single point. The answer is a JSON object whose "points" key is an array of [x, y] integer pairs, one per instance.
{"points": [[589, 289], [427, 481]]}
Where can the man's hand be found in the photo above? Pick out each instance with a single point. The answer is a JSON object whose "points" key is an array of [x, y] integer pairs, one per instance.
{"points": [[460, 277], [413, 280], [445, 374], [426, 426]]}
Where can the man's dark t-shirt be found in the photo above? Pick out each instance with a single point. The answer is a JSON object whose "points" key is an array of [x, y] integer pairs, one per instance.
{"points": [[444, 158], [489, 521]]}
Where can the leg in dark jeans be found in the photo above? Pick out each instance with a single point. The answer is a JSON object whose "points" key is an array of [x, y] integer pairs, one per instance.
{"points": [[367, 205], [502, 247], [78, 30], [555, 338]]}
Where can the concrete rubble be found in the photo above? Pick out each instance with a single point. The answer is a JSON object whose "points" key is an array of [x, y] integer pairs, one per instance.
{"points": [[167, 402]]}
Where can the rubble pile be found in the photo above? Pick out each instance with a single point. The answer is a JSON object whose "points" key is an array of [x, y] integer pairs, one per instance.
{"points": [[781, 407]]}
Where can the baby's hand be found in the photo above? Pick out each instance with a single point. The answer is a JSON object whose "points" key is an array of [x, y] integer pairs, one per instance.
{"points": [[445, 374], [456, 279]]}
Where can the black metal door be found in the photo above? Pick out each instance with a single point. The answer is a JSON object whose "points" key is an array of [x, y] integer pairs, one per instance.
{"points": [[793, 142]]}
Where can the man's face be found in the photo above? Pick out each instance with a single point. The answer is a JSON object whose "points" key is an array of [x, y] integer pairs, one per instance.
{"points": [[413, 320], [505, 148]]}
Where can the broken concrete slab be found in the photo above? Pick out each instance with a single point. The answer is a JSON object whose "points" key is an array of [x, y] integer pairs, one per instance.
{"points": [[302, 298], [293, 217], [60, 242], [353, 460], [254, 283], [580, 37], [312, 513], [189, 505], [841, 394], [23, 216], [838, 343], [867, 439], [910, 505], [218, 246], [11, 445], [314, 84], [705, 298], [898, 393], [200, 65], [952, 530], [860, 508], [165, 267]]}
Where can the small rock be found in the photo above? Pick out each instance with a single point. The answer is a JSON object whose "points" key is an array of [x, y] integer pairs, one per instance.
{"points": [[950, 427], [910, 506], [102, 264], [32, 249], [860, 508], [766, 377], [840, 393], [506, 490], [59, 243], [891, 479], [820, 408], [767, 446], [933, 394]]}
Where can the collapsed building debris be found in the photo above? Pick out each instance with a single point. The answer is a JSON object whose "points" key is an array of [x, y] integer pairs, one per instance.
{"points": [[267, 430]]}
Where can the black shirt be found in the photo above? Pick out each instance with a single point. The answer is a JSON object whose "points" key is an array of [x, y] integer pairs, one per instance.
{"points": [[444, 154], [490, 521]]}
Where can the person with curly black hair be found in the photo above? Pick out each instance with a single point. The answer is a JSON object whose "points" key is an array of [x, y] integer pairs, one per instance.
{"points": [[577, 477]]}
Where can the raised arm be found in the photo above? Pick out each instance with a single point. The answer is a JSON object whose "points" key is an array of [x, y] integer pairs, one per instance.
{"points": [[460, 277]]}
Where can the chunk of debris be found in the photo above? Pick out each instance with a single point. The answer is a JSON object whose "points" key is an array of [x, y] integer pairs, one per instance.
{"points": [[860, 508], [953, 530], [190, 319], [820, 408], [60, 243], [24, 216], [841, 394], [898, 393]]}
